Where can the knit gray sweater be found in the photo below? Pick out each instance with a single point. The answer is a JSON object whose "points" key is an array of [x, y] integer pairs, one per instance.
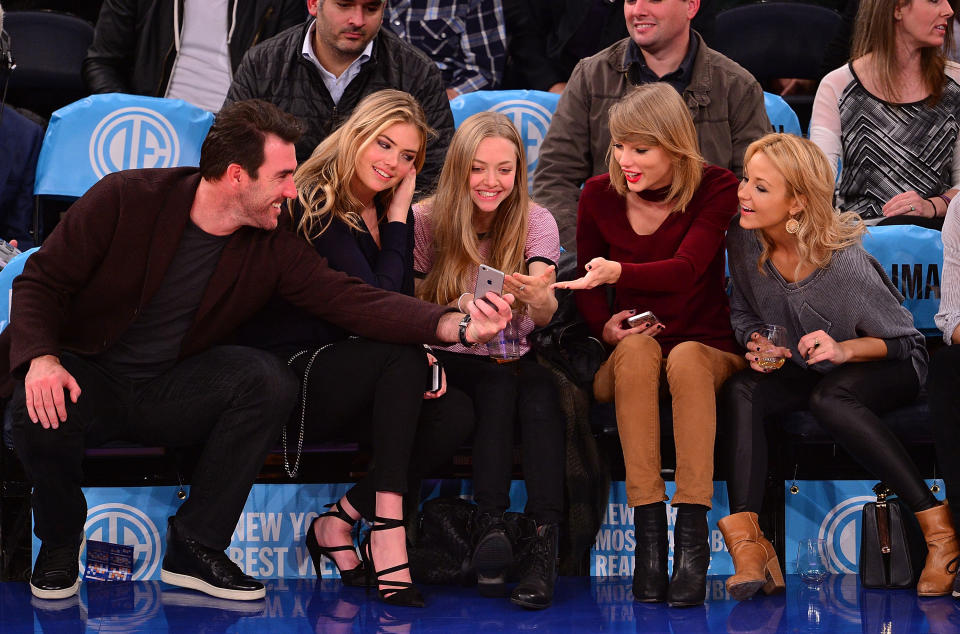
{"points": [[851, 297]]}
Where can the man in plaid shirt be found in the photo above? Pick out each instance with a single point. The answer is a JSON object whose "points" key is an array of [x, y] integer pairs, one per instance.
{"points": [[466, 38]]}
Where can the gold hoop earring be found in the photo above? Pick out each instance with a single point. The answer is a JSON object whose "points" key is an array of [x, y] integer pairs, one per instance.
{"points": [[792, 226]]}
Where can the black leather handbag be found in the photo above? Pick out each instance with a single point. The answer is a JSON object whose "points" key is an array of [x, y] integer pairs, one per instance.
{"points": [[892, 549]]}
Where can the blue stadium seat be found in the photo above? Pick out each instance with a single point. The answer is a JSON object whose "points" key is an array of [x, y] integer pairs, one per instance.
{"points": [[781, 115], [101, 134], [913, 257], [13, 268], [531, 111]]}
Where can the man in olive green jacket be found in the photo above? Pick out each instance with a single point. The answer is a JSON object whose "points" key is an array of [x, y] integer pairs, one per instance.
{"points": [[726, 103]]}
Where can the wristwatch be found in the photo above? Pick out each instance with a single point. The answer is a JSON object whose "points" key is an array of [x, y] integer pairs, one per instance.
{"points": [[462, 332]]}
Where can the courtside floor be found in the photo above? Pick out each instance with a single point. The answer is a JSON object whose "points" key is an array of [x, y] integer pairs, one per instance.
{"points": [[582, 604]]}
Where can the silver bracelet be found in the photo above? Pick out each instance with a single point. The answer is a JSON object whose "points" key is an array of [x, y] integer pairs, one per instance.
{"points": [[460, 299]]}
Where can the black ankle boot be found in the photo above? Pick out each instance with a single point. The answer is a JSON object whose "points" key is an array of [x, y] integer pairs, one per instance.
{"points": [[492, 553], [650, 569], [691, 556], [535, 590]]}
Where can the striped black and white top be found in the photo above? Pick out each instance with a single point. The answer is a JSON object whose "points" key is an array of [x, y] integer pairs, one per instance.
{"points": [[884, 148]]}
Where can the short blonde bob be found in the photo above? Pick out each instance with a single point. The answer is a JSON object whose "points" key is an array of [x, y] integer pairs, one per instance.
{"points": [[655, 115]]}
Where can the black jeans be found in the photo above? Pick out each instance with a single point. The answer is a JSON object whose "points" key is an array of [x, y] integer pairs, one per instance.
{"points": [[846, 401], [522, 390], [230, 399], [371, 391], [943, 390]]}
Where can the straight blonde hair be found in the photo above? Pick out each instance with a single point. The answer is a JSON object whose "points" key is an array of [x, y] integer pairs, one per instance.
{"points": [[875, 33], [809, 178], [655, 115], [323, 180], [455, 245]]}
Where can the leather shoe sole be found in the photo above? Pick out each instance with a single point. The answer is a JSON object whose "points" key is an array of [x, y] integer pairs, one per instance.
{"points": [[58, 593], [194, 583]]}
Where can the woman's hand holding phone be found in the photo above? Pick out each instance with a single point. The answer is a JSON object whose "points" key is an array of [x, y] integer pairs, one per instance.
{"points": [[614, 332]]}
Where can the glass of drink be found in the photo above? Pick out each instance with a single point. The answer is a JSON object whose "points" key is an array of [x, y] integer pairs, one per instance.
{"points": [[770, 357], [812, 561], [505, 345]]}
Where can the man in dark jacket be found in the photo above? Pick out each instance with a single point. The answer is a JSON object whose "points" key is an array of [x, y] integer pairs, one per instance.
{"points": [[320, 71], [117, 332], [186, 49]]}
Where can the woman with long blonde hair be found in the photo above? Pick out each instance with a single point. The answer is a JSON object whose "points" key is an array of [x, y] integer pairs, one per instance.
{"points": [[851, 350], [874, 116], [354, 207], [653, 229], [481, 214]]}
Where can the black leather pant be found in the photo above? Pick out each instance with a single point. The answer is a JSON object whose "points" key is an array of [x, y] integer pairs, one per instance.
{"points": [[847, 402]]}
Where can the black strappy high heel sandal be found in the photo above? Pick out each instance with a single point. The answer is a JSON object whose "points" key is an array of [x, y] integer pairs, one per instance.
{"points": [[402, 593], [355, 576]]}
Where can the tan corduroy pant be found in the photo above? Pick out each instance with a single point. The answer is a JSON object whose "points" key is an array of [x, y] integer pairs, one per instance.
{"points": [[694, 372]]}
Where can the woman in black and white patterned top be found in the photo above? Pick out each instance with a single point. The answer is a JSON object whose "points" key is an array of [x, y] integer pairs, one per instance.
{"points": [[891, 115]]}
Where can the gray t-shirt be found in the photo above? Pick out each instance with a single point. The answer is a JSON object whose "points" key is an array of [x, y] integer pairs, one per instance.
{"points": [[151, 345], [851, 297]]}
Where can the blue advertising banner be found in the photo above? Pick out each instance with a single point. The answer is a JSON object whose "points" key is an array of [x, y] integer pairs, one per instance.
{"points": [[912, 257], [268, 540], [612, 553], [101, 134], [829, 510]]}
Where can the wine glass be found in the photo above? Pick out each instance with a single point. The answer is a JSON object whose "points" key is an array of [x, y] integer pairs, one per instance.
{"points": [[770, 357], [812, 561]]}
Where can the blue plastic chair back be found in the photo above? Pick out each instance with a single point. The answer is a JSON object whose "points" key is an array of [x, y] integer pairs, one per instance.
{"points": [[530, 110], [102, 134], [13, 268], [913, 257], [781, 115]]}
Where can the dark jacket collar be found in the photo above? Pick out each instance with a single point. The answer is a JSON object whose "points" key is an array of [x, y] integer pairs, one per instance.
{"points": [[701, 77]]}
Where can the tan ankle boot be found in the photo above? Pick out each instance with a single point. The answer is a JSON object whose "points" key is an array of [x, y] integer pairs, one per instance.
{"points": [[937, 527], [754, 557]]}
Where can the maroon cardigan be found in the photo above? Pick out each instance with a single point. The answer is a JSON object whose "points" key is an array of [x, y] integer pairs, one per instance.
{"points": [[677, 271], [108, 256]]}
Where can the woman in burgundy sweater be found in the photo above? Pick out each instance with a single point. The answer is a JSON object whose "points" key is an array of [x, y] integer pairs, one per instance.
{"points": [[654, 229]]}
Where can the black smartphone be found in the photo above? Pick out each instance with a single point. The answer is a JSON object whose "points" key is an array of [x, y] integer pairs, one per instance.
{"points": [[434, 377]]}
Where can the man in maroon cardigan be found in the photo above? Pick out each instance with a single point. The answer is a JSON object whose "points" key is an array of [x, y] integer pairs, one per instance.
{"points": [[117, 328]]}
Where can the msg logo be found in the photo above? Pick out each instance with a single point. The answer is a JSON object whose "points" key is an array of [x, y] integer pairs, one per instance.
{"points": [[127, 525], [131, 138], [841, 528], [532, 121]]}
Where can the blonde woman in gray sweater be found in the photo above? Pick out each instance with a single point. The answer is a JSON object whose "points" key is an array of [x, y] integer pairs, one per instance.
{"points": [[851, 350]]}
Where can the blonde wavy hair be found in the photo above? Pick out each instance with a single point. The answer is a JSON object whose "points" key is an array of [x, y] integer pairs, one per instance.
{"points": [[809, 180], [323, 180], [456, 246], [655, 115], [875, 32]]}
